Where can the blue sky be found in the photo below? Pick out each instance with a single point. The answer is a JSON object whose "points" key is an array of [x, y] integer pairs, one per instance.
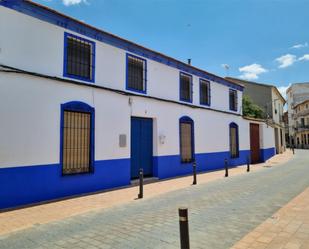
{"points": [[261, 40]]}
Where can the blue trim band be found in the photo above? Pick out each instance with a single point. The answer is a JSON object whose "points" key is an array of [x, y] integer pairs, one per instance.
{"points": [[235, 107], [203, 81], [127, 74], [191, 87], [65, 72], [58, 19]]}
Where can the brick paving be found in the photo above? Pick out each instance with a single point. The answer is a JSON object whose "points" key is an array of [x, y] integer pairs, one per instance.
{"points": [[286, 229], [220, 212], [27, 217]]}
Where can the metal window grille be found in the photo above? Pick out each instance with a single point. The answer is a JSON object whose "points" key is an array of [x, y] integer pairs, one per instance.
{"points": [[185, 87], [233, 142], [186, 142], [136, 73], [76, 142], [204, 92], [79, 58], [233, 100]]}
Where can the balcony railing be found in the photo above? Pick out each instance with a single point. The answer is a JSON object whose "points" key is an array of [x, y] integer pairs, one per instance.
{"points": [[302, 128], [301, 113]]}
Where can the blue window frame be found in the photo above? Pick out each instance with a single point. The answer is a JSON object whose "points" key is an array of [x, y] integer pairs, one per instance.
{"points": [[136, 74], [77, 138], [204, 92], [185, 87], [233, 99], [234, 140], [79, 58], [186, 137]]}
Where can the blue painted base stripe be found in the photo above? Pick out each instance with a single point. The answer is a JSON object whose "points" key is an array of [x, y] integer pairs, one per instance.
{"points": [[31, 184], [170, 166], [265, 154]]}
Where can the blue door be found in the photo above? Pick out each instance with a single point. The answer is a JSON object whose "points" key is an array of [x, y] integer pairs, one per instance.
{"points": [[141, 146]]}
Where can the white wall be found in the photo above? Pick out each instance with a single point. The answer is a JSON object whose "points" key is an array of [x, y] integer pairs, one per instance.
{"points": [[267, 136], [30, 123], [278, 104], [42, 48]]}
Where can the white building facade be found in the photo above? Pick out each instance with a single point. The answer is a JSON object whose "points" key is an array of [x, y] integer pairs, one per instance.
{"points": [[83, 110]]}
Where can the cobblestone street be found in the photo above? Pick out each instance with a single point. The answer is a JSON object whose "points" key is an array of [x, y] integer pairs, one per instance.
{"points": [[220, 214]]}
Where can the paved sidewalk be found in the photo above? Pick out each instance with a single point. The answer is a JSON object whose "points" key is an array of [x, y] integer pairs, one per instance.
{"points": [[24, 218], [221, 212], [286, 229]]}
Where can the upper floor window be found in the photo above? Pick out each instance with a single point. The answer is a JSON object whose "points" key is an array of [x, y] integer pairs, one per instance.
{"points": [[77, 130], [79, 58], [204, 92], [233, 99], [185, 87], [136, 74]]}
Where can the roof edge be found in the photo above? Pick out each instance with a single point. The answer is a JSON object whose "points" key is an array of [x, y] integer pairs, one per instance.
{"points": [[257, 83], [69, 23]]}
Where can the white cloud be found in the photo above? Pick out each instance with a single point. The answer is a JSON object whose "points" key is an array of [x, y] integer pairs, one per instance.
{"points": [[251, 72], [286, 60], [297, 46], [305, 57], [73, 2], [282, 90]]}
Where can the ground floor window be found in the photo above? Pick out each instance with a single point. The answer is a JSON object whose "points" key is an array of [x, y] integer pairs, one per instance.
{"points": [[77, 138], [186, 140], [234, 145]]}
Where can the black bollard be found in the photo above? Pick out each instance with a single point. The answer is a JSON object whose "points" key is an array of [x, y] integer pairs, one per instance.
{"points": [[248, 164], [226, 168], [184, 228], [194, 173], [293, 149], [141, 183]]}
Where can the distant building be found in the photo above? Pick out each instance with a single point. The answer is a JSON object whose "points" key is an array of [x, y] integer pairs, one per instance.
{"points": [[286, 127], [296, 94], [269, 99], [301, 119]]}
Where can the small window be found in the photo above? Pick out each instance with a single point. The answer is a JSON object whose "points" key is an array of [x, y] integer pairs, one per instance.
{"points": [[79, 58], [234, 147], [77, 138], [136, 74], [204, 92], [233, 100], [185, 87], [186, 140]]}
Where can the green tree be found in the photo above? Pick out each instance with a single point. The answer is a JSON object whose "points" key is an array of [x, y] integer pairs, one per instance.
{"points": [[250, 109]]}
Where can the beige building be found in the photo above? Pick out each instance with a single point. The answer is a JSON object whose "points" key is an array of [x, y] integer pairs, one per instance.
{"points": [[301, 118], [269, 99], [297, 94]]}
